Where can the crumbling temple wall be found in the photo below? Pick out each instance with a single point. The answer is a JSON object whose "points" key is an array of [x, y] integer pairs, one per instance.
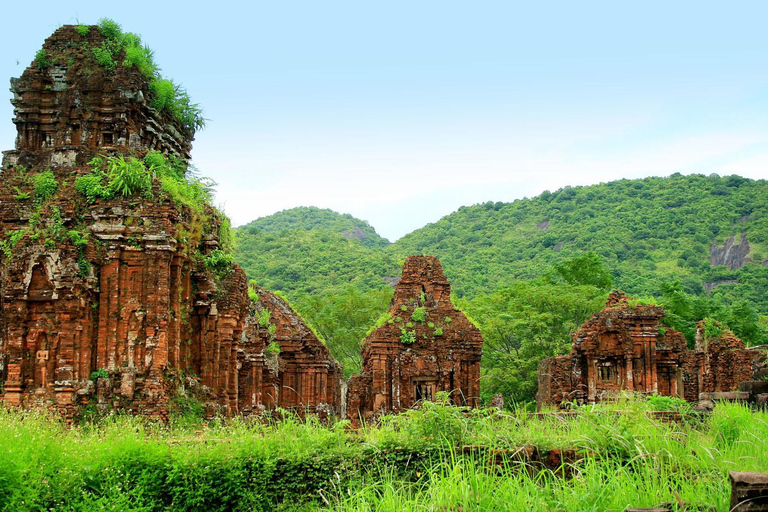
{"points": [[625, 347], [422, 345], [300, 373], [68, 108], [726, 362], [127, 300]]}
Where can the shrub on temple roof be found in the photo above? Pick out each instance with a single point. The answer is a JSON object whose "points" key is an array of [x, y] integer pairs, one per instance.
{"points": [[166, 95]]}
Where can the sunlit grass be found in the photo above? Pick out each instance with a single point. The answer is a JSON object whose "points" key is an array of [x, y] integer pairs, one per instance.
{"points": [[414, 461]]}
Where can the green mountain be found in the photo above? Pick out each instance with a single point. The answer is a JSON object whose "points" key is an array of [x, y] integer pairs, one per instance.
{"points": [[311, 218]]}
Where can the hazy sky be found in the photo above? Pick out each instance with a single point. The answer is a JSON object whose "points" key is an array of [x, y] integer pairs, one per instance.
{"points": [[400, 112]]}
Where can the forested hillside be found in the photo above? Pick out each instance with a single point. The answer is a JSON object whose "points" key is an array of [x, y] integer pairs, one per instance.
{"points": [[645, 231], [531, 271]]}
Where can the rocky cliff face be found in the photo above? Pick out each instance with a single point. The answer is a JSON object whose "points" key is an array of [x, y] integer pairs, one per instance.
{"points": [[423, 345], [731, 254], [115, 290]]}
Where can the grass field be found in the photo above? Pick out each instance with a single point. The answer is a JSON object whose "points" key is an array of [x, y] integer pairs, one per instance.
{"points": [[415, 461]]}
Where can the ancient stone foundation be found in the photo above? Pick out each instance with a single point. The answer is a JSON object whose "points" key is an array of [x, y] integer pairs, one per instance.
{"points": [[422, 346], [625, 347], [125, 302]]}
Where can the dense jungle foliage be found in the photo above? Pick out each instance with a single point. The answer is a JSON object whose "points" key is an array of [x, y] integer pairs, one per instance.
{"points": [[436, 458], [531, 271]]}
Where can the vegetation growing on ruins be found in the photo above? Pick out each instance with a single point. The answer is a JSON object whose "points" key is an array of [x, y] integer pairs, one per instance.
{"points": [[416, 461], [166, 95]]}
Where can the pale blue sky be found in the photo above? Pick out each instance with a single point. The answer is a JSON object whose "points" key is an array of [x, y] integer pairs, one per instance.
{"points": [[400, 112]]}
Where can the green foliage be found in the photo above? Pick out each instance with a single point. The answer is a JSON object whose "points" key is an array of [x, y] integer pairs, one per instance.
{"points": [[712, 329], [78, 239], [101, 373], [407, 337], [121, 176], [585, 270], [186, 411], [272, 349], [639, 229], [93, 187], [106, 55], [41, 59], [165, 95], [523, 324], [651, 237], [219, 262], [45, 185], [264, 318], [669, 403], [439, 331], [83, 30], [383, 319], [419, 314], [310, 262], [684, 310], [140, 56], [414, 461], [110, 29], [343, 318], [124, 176], [8, 244]]}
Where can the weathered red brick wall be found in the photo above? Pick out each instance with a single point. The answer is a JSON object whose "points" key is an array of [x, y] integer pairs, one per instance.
{"points": [[726, 362], [304, 376], [424, 346], [556, 381]]}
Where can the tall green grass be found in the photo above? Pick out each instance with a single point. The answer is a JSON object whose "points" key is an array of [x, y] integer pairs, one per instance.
{"points": [[415, 461]]}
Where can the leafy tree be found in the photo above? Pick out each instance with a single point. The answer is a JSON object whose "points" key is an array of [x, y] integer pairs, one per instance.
{"points": [[343, 318], [524, 324], [585, 270]]}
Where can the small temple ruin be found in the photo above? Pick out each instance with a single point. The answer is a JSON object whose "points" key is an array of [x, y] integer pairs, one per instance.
{"points": [[124, 302], [625, 347], [421, 346], [299, 373]]}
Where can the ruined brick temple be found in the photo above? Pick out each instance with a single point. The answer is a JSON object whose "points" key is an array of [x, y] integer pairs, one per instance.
{"points": [[625, 347], [422, 346], [110, 302]]}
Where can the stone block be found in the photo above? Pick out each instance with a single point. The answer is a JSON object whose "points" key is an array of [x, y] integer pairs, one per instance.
{"points": [[749, 491]]}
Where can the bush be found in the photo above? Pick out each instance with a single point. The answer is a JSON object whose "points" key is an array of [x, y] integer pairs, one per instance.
{"points": [[128, 176], [106, 54], [101, 373], [92, 186], [45, 186], [407, 337], [110, 29], [41, 59], [419, 314], [218, 262]]}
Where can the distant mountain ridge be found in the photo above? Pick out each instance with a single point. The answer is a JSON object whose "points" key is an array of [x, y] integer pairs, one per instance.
{"points": [[710, 233], [311, 218]]}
